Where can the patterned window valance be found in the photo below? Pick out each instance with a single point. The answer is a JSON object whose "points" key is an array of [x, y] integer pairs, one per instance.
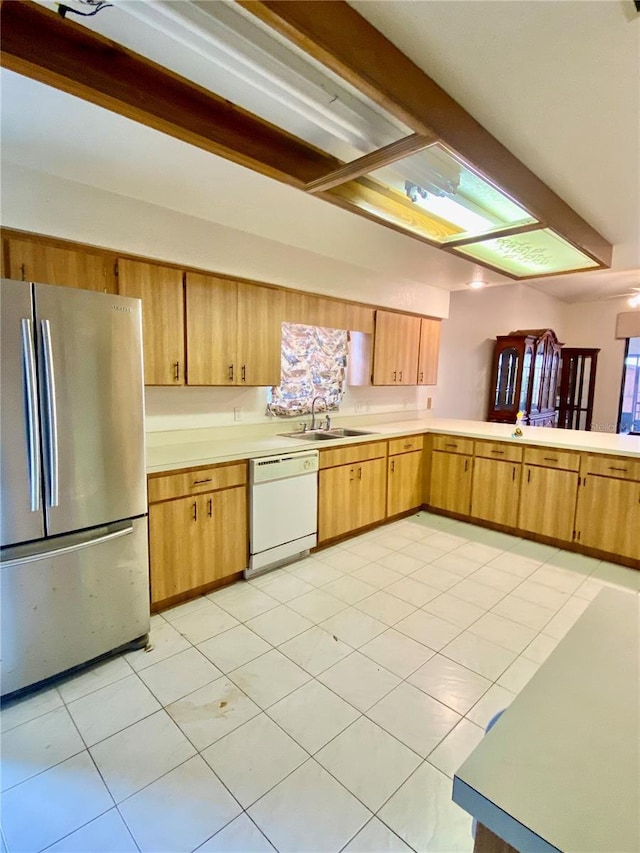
{"points": [[314, 363]]}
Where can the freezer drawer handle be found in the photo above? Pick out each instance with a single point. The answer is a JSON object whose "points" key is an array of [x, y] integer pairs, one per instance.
{"points": [[33, 432], [79, 546], [52, 415]]}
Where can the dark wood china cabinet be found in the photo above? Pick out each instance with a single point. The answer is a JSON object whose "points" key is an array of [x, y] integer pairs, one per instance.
{"points": [[524, 377]]}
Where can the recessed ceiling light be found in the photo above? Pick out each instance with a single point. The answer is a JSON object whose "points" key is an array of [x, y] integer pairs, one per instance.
{"points": [[634, 301], [477, 283]]}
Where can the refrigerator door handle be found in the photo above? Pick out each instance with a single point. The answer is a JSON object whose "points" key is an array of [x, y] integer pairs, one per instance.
{"points": [[68, 549], [52, 414], [33, 428]]}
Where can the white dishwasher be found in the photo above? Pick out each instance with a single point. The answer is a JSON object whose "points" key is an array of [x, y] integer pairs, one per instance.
{"points": [[283, 509]]}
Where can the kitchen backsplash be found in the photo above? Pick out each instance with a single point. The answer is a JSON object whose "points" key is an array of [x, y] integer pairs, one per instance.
{"points": [[195, 408]]}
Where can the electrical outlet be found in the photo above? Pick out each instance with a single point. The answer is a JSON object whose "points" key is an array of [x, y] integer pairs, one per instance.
{"points": [[237, 414], [428, 402]]}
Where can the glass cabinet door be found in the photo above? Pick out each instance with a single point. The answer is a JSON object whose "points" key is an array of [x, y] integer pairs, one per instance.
{"points": [[506, 379], [526, 375]]}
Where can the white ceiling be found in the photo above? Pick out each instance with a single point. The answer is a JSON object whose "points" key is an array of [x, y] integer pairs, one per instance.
{"points": [[555, 81]]}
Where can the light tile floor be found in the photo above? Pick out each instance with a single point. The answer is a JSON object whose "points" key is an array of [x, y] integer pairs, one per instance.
{"points": [[321, 707]]}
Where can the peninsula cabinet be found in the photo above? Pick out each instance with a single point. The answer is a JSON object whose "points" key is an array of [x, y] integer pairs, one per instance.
{"points": [[197, 529], [395, 349], [549, 492], [233, 332], [161, 291], [608, 513], [351, 489], [404, 474], [496, 482], [451, 473], [71, 267]]}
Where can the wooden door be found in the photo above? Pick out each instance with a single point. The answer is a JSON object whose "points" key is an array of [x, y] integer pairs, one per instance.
{"points": [[395, 349], [548, 501], [176, 546], [227, 536], [33, 261], [212, 339], [451, 481], [404, 482], [429, 351], [260, 314], [161, 291], [337, 501], [495, 491], [608, 515], [371, 492]]}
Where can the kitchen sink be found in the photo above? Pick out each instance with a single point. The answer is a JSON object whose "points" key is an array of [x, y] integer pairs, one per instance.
{"points": [[326, 434]]}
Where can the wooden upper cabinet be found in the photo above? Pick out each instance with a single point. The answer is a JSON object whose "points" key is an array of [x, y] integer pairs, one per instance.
{"points": [[429, 351], [233, 332], [161, 291], [212, 332], [259, 335], [395, 349], [71, 267]]}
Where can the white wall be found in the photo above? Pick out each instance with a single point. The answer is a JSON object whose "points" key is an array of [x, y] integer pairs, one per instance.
{"points": [[468, 338], [477, 317]]}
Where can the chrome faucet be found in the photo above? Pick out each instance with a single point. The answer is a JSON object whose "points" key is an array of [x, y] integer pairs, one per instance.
{"points": [[313, 410]]}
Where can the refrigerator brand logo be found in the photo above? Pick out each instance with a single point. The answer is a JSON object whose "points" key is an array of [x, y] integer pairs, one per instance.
{"points": [[121, 308]]}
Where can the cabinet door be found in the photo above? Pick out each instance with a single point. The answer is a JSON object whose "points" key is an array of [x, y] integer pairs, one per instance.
{"points": [[548, 502], [337, 501], [429, 351], [395, 353], [451, 481], [608, 515], [32, 261], [228, 534], [260, 312], [495, 491], [161, 291], [404, 482], [211, 330], [176, 546], [371, 492]]}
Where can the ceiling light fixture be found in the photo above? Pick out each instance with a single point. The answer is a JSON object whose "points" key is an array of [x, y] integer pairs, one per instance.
{"points": [[477, 283], [634, 301]]}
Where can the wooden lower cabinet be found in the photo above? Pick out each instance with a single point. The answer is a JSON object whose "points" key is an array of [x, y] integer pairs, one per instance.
{"points": [[350, 497], [196, 540], [608, 515], [451, 475], [404, 482], [495, 491], [548, 501]]}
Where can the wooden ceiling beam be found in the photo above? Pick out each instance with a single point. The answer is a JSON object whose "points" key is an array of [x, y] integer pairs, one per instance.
{"points": [[337, 36], [39, 44]]}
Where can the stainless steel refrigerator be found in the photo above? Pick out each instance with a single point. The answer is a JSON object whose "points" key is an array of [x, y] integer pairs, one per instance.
{"points": [[73, 526]]}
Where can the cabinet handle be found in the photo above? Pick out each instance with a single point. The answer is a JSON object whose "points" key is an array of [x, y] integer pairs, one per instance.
{"points": [[351, 477], [466, 465], [421, 376], [513, 476], [395, 374], [202, 482], [407, 446], [498, 452], [451, 445], [529, 475], [210, 506], [550, 459], [400, 376], [393, 465], [176, 368], [243, 373], [359, 473], [230, 373], [623, 470], [195, 511]]}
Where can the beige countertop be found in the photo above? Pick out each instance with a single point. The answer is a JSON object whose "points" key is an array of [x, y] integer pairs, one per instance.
{"points": [[168, 451], [561, 769]]}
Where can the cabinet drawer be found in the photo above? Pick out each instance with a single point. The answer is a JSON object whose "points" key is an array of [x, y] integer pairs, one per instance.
{"points": [[196, 481], [621, 467], [499, 450], [453, 444], [404, 445], [353, 453], [548, 457]]}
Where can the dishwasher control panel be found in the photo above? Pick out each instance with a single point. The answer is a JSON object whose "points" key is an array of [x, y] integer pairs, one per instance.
{"points": [[283, 467]]}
